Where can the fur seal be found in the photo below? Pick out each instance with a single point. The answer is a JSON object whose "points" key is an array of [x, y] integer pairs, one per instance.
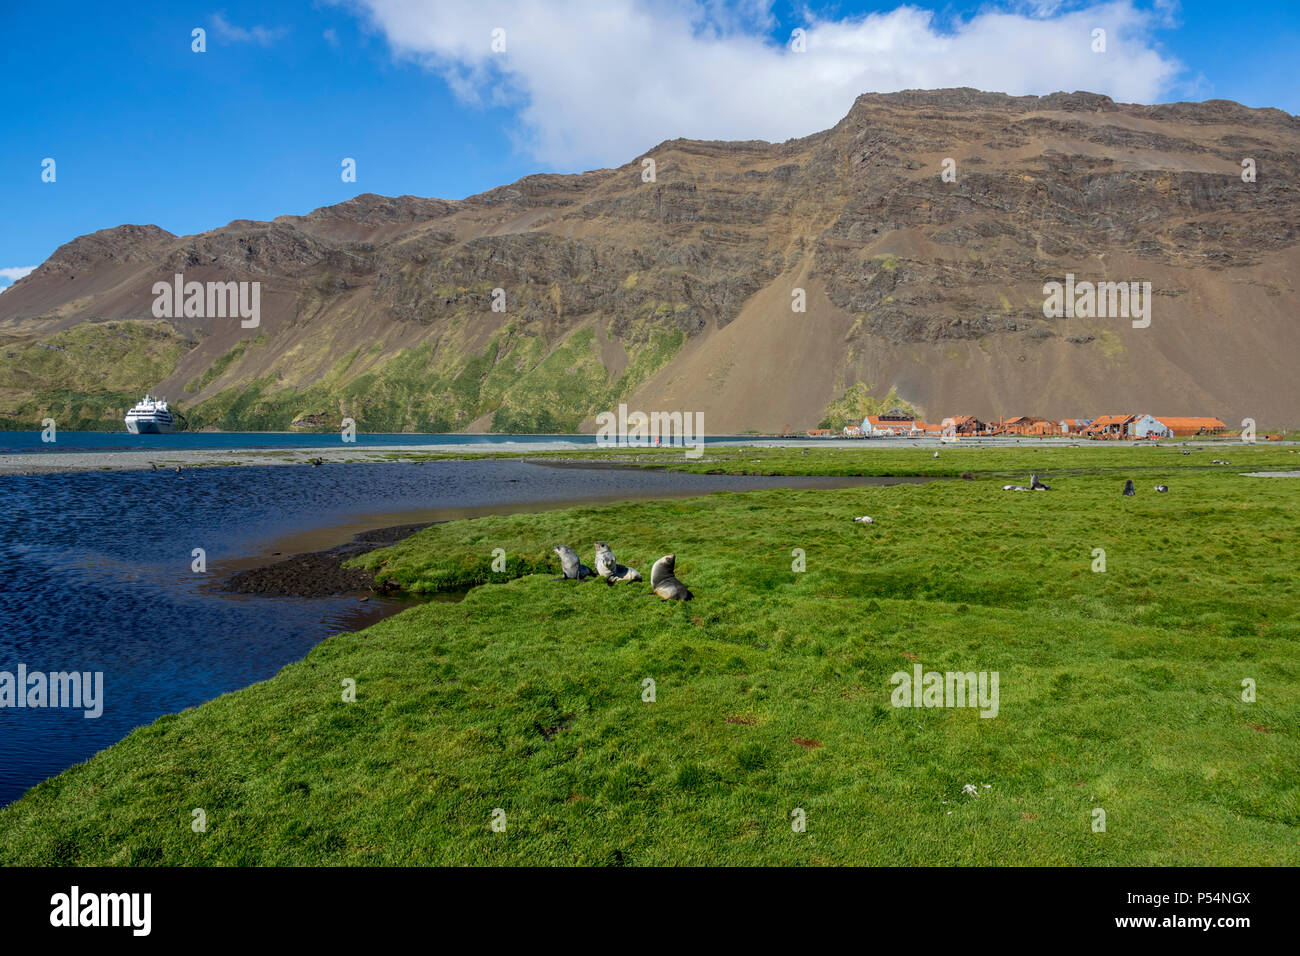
{"points": [[607, 566], [1162, 488], [865, 519], [1129, 490], [1037, 485], [664, 583], [1014, 488], [573, 569]]}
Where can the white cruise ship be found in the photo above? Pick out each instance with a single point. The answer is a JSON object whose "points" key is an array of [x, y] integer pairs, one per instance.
{"points": [[150, 416]]}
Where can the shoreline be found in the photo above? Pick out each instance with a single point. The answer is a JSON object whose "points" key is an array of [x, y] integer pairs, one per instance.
{"points": [[315, 574], [57, 463], [284, 572], [60, 462]]}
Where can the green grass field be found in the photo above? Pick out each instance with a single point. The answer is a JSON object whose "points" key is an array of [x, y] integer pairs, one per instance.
{"points": [[1120, 690]]}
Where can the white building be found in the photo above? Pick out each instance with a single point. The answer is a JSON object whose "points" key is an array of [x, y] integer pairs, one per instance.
{"points": [[1145, 426]]}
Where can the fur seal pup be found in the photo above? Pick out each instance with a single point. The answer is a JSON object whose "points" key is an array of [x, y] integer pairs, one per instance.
{"points": [[664, 583], [607, 566], [605, 561], [865, 519], [573, 568], [1037, 485], [1129, 490], [1162, 488]]}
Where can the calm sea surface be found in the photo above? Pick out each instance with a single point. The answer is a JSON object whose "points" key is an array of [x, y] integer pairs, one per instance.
{"points": [[95, 574]]}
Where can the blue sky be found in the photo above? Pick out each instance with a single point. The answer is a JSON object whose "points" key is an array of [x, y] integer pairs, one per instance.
{"points": [[144, 130]]}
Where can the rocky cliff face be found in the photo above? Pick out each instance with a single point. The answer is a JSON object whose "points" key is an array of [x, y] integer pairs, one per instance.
{"points": [[678, 294]]}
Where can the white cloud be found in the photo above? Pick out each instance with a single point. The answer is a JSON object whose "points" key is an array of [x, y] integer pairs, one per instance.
{"points": [[598, 81], [14, 273], [262, 36]]}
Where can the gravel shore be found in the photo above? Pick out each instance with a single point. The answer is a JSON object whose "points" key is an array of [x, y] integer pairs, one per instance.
{"points": [[55, 462]]}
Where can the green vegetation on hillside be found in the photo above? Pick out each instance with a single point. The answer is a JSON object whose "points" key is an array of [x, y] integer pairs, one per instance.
{"points": [[857, 403], [86, 377], [1120, 690], [221, 364], [513, 379]]}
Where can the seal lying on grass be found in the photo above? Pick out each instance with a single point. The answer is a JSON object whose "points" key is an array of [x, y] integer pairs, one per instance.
{"points": [[609, 568], [664, 583], [574, 569]]}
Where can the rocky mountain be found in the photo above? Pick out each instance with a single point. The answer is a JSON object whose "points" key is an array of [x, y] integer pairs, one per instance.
{"points": [[681, 293]]}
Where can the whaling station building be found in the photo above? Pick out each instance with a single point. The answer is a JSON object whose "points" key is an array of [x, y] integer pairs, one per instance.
{"points": [[896, 424]]}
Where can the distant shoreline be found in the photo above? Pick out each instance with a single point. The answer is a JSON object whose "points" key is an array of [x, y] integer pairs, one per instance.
{"points": [[60, 462], [169, 459]]}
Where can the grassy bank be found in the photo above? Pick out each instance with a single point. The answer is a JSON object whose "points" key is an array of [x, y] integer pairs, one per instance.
{"points": [[1119, 690]]}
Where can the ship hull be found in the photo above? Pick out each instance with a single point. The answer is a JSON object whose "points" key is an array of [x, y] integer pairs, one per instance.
{"points": [[148, 427]]}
